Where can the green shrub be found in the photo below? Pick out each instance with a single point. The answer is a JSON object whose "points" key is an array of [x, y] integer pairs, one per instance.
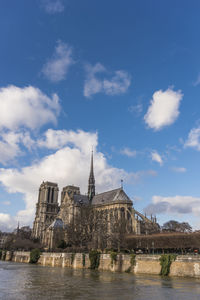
{"points": [[94, 257], [165, 262], [133, 259], [113, 256], [34, 256], [132, 262], [83, 259]]}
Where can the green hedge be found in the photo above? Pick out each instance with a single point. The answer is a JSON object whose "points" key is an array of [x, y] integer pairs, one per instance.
{"points": [[34, 256], [94, 257], [132, 259], [113, 256]]}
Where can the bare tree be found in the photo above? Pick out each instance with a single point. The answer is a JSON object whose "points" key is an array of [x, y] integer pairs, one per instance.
{"points": [[79, 231], [175, 226], [117, 234]]}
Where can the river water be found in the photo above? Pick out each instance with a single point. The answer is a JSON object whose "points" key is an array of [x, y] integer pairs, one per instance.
{"points": [[24, 281]]}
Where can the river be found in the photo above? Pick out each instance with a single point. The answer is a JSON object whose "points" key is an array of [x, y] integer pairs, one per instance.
{"points": [[26, 282]]}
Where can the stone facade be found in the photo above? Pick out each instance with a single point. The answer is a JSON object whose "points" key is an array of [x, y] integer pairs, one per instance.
{"points": [[46, 209], [114, 206]]}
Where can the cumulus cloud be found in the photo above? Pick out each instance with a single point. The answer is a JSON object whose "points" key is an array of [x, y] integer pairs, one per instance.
{"points": [[57, 67], [10, 145], [53, 6], [163, 109], [69, 164], [26, 107], [128, 152], [179, 169], [116, 85], [8, 152], [7, 223], [173, 205], [155, 156], [193, 140], [56, 139]]}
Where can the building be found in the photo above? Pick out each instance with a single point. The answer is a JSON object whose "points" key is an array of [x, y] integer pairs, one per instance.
{"points": [[3, 239], [114, 207]]}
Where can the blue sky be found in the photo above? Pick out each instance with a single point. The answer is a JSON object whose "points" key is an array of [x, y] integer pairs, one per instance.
{"points": [[122, 77]]}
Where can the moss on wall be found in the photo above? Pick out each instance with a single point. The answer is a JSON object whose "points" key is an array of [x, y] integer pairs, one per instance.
{"points": [[165, 262], [34, 256], [94, 257]]}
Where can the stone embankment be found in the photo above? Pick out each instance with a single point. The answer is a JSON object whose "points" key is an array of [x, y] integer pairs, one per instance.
{"points": [[184, 265]]}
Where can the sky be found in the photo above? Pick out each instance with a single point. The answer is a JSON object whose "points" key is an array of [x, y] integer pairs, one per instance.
{"points": [[121, 77]]}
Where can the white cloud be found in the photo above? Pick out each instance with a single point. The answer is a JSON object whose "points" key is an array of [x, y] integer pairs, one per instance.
{"points": [[137, 109], [197, 82], [116, 85], [92, 84], [10, 145], [163, 109], [7, 223], [175, 204], [68, 165], [53, 6], [8, 152], [193, 140], [156, 157], [27, 107], [57, 67], [128, 152], [56, 139], [179, 169]]}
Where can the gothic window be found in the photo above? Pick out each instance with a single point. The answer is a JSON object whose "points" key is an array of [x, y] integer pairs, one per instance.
{"points": [[48, 195], [52, 194]]}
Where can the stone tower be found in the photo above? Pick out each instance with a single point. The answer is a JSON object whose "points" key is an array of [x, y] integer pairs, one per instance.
{"points": [[46, 208], [91, 182]]}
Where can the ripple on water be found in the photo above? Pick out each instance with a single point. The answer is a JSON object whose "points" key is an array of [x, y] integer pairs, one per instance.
{"points": [[24, 281]]}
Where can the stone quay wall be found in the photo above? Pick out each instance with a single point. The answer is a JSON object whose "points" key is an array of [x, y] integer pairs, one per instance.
{"points": [[183, 266]]}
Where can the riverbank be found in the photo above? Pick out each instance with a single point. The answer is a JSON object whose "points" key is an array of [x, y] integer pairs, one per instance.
{"points": [[183, 266]]}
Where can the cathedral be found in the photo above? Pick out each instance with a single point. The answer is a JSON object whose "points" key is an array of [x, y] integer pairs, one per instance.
{"points": [[52, 220]]}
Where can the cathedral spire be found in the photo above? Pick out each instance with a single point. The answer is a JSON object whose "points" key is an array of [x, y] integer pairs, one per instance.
{"points": [[91, 181]]}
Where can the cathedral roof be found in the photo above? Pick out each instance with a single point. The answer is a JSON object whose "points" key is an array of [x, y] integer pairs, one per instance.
{"points": [[117, 195], [57, 223], [81, 199]]}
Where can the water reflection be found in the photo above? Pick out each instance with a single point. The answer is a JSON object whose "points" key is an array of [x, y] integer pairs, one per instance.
{"points": [[24, 281]]}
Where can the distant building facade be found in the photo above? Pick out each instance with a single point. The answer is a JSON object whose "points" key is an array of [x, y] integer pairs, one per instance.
{"points": [[51, 220], [3, 239]]}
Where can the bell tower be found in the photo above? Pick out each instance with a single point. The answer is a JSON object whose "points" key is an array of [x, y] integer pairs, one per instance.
{"points": [[46, 208]]}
